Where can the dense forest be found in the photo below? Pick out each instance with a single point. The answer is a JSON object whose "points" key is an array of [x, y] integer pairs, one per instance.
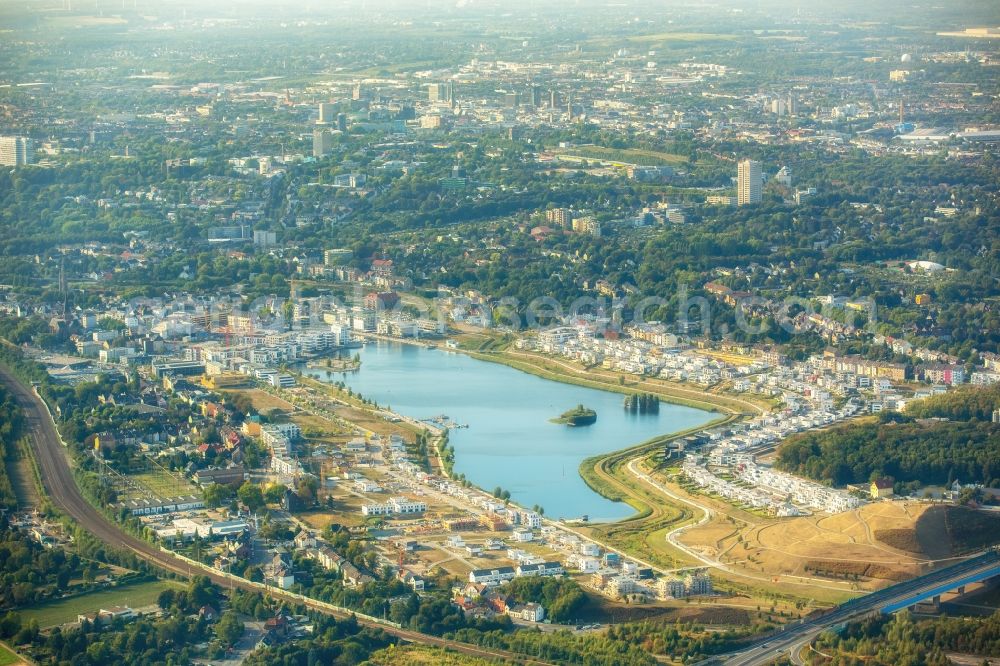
{"points": [[928, 453], [964, 404], [562, 598], [339, 643], [11, 422], [939, 440]]}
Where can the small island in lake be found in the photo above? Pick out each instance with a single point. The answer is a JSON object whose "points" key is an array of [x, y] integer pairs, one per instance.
{"points": [[578, 416]]}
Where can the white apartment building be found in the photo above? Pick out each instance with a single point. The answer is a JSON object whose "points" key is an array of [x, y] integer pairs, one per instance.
{"points": [[749, 183], [396, 506], [16, 151]]}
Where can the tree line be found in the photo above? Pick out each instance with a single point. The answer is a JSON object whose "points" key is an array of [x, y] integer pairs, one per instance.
{"points": [[901, 641]]}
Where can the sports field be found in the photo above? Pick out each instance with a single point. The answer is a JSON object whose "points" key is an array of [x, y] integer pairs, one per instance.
{"points": [[60, 612], [160, 483]]}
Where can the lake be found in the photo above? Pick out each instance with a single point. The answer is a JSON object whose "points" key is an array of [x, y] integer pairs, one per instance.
{"points": [[510, 442]]}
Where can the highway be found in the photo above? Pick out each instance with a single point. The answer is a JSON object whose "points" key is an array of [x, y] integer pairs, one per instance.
{"points": [[794, 637], [60, 486]]}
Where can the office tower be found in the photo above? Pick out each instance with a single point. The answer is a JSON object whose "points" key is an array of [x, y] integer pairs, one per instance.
{"points": [[749, 187], [553, 99], [326, 113], [16, 150], [535, 96], [512, 100], [357, 93], [450, 92], [342, 122], [322, 143], [437, 92]]}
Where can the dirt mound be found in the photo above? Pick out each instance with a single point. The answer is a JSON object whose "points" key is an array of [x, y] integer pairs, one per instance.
{"points": [[945, 531], [932, 533], [971, 530]]}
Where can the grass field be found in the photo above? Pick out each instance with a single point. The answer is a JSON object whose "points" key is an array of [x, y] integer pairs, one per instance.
{"points": [[163, 484], [22, 477], [318, 424], [7, 657], [66, 610], [263, 401]]}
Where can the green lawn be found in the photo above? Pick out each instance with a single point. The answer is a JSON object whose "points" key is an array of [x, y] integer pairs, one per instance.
{"points": [[7, 658], [163, 484], [66, 610]]}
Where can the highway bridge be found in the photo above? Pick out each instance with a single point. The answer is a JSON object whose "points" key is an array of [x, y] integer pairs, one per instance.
{"points": [[794, 637], [934, 594]]}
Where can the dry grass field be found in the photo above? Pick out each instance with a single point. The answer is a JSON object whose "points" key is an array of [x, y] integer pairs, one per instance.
{"points": [[841, 547], [318, 424], [372, 423], [263, 401]]}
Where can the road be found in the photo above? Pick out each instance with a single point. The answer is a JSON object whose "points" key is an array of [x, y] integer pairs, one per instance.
{"points": [[673, 538], [60, 486], [795, 638]]}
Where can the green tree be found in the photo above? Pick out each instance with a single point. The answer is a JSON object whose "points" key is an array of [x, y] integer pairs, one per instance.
{"points": [[274, 494], [306, 489], [251, 496], [229, 629], [216, 494]]}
